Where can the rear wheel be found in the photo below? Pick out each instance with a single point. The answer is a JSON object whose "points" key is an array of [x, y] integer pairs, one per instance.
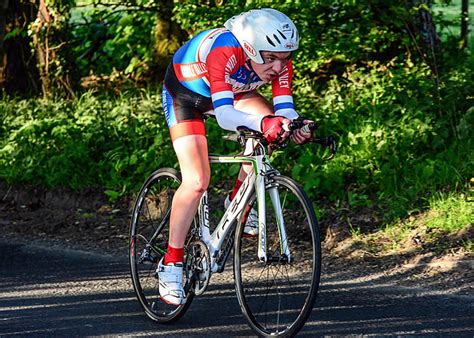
{"points": [[149, 230], [277, 296]]}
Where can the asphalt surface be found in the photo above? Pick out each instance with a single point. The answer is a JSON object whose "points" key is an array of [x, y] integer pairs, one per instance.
{"points": [[58, 292]]}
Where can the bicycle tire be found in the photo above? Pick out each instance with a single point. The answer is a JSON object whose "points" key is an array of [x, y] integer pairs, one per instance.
{"points": [[149, 230], [277, 297]]}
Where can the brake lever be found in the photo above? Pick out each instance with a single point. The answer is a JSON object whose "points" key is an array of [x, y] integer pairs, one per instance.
{"points": [[327, 142]]}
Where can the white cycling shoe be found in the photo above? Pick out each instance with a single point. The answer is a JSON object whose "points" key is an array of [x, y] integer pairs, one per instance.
{"points": [[171, 283], [251, 225]]}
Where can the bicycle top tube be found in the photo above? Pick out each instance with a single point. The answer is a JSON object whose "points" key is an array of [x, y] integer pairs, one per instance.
{"points": [[260, 163]]}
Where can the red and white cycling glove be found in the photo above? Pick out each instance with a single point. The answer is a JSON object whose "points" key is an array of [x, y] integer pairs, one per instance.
{"points": [[272, 128]]}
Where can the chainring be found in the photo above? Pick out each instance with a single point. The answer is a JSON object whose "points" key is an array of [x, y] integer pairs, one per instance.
{"points": [[198, 266]]}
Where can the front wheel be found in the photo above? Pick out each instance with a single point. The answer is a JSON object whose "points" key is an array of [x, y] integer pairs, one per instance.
{"points": [[277, 296], [149, 231]]}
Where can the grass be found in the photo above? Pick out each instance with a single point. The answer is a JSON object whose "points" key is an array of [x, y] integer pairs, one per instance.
{"points": [[449, 213], [446, 226]]}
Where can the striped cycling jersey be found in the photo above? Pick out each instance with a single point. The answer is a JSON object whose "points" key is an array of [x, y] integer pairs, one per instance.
{"points": [[213, 64]]}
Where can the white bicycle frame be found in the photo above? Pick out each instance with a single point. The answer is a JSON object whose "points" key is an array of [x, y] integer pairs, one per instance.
{"points": [[255, 180]]}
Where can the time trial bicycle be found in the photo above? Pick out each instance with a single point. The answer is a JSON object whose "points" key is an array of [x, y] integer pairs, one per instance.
{"points": [[276, 273]]}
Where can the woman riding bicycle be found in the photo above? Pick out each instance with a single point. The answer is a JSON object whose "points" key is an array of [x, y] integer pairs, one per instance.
{"points": [[217, 72]]}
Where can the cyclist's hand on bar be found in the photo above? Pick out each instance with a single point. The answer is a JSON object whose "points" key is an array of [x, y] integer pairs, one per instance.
{"points": [[275, 128], [302, 135]]}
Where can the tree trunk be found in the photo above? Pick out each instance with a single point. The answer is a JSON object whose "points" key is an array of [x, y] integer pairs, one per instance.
{"points": [[464, 23], [41, 47], [3, 29], [168, 37], [48, 42], [18, 73], [423, 33], [426, 26]]}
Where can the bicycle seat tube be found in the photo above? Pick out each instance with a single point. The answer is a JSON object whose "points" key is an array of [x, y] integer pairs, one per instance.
{"points": [[235, 208]]}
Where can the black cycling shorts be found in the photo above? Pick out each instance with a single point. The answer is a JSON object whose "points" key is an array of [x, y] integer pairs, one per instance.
{"points": [[183, 108]]}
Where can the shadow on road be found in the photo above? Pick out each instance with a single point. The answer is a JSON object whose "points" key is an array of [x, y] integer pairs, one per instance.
{"points": [[51, 291]]}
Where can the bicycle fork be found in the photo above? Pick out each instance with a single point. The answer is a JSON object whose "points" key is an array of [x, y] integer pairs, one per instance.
{"points": [[277, 207], [280, 224]]}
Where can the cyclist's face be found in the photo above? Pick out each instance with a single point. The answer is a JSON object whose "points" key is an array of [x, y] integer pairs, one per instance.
{"points": [[273, 64]]}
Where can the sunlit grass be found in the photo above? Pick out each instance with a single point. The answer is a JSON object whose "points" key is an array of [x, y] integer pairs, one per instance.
{"points": [[449, 213], [445, 226]]}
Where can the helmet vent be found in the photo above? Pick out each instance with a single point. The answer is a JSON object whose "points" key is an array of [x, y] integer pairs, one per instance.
{"points": [[276, 38], [270, 42], [282, 35], [292, 33]]}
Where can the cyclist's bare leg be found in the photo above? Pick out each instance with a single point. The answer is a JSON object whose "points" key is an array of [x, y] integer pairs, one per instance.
{"points": [[192, 154]]}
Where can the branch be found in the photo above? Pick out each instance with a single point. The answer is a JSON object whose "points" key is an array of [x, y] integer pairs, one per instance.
{"points": [[121, 4]]}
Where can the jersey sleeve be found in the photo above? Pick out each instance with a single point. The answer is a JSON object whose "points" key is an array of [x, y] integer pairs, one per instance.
{"points": [[281, 92], [221, 62]]}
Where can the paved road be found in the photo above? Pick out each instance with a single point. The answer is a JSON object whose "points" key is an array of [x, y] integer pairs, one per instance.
{"points": [[52, 292]]}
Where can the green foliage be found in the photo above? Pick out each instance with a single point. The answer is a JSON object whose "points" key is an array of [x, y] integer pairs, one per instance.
{"points": [[61, 7], [109, 142], [114, 39], [400, 139], [403, 125]]}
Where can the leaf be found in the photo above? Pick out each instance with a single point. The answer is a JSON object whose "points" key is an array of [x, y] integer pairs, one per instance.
{"points": [[13, 34]]}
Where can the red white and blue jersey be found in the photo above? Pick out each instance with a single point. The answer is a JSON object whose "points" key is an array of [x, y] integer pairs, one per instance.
{"points": [[213, 64]]}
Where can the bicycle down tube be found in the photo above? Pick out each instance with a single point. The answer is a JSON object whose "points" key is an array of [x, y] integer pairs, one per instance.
{"points": [[216, 239], [254, 180]]}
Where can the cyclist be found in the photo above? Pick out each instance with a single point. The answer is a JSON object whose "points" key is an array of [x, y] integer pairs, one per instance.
{"points": [[217, 72]]}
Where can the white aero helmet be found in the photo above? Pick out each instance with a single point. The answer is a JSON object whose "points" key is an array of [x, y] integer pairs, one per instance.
{"points": [[263, 29]]}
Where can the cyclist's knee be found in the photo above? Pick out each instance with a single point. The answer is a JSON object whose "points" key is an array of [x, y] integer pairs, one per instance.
{"points": [[253, 103], [197, 184], [200, 185]]}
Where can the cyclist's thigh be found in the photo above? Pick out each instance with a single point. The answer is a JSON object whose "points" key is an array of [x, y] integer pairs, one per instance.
{"points": [[253, 103], [192, 154], [184, 115]]}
